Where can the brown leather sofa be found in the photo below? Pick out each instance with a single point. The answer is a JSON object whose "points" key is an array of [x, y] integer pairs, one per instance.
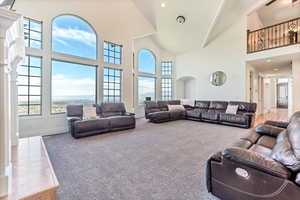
{"points": [[157, 112], [112, 117], [264, 165], [214, 111]]}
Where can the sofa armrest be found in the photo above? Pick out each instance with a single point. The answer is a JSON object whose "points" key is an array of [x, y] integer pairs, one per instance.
{"points": [[277, 124], [256, 161], [129, 114], [265, 129], [73, 119]]}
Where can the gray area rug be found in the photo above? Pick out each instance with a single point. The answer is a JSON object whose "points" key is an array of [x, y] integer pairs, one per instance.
{"points": [[152, 162]]}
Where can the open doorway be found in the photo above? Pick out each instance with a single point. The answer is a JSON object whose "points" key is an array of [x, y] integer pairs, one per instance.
{"points": [[283, 93]]}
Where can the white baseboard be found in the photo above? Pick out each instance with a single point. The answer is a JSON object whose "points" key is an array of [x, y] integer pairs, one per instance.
{"points": [[43, 132]]}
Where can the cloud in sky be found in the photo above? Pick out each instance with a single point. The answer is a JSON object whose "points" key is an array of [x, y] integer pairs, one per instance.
{"points": [[66, 86], [75, 34]]}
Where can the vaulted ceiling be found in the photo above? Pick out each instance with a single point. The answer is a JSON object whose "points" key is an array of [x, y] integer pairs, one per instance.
{"points": [[205, 20]]}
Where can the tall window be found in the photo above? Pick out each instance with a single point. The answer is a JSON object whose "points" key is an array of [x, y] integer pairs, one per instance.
{"points": [[166, 88], [72, 35], [29, 86], [72, 84], [146, 62], [166, 68], [32, 33], [146, 88], [112, 85], [112, 53]]}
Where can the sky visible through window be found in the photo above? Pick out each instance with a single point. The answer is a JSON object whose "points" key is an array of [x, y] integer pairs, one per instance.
{"points": [[72, 35], [146, 88], [146, 62], [72, 84]]}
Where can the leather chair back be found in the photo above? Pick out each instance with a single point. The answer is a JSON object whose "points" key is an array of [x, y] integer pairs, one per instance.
{"points": [[218, 105], [112, 109], [202, 104], [74, 110]]}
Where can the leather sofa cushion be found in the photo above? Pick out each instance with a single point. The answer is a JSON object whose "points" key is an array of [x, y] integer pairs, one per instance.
{"points": [[202, 104], [252, 137], [218, 105], [112, 109], [256, 161], [237, 119], [210, 115], [245, 144], [162, 115], [285, 150], [261, 149], [267, 141], [91, 125], [177, 114], [265, 129], [196, 113], [151, 105], [121, 121], [244, 106], [75, 110]]}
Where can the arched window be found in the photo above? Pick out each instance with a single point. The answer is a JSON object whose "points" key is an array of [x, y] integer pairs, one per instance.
{"points": [[74, 36], [146, 62]]}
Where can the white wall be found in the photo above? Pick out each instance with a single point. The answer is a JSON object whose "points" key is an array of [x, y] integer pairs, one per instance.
{"points": [[115, 21], [296, 83], [226, 53], [254, 22]]}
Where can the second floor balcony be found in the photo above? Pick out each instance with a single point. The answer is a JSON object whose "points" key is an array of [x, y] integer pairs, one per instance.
{"points": [[279, 35]]}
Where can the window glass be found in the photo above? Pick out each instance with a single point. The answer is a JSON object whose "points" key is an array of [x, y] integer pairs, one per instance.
{"points": [[166, 88], [29, 86], [146, 62], [72, 84], [146, 88], [166, 68], [32, 33], [112, 85], [72, 35], [112, 53]]}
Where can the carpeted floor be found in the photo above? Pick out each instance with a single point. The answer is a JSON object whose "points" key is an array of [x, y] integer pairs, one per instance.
{"points": [[152, 162]]}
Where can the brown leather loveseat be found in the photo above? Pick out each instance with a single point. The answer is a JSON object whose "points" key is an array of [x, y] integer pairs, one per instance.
{"points": [[263, 165]]}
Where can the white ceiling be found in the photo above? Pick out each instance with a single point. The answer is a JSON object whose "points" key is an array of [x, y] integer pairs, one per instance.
{"points": [[279, 11], [205, 20], [281, 65]]}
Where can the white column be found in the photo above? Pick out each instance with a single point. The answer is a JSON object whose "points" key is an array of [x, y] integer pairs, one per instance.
{"points": [[3, 126], [296, 83], [9, 58]]}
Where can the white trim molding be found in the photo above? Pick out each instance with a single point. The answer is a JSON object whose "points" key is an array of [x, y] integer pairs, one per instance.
{"points": [[10, 30]]}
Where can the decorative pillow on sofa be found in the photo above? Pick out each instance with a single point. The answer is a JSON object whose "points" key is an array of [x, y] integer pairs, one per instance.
{"points": [[232, 109], [89, 112], [176, 107]]}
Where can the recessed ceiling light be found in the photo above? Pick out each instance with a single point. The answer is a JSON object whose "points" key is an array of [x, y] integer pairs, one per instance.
{"points": [[163, 4], [276, 69], [269, 60]]}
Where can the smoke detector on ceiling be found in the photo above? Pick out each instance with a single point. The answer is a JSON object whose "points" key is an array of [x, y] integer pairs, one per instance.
{"points": [[180, 19]]}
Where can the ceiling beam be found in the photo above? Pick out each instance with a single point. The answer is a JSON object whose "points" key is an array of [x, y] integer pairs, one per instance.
{"points": [[213, 24]]}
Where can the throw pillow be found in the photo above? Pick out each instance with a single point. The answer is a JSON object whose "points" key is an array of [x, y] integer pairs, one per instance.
{"points": [[232, 109], [89, 112], [176, 107]]}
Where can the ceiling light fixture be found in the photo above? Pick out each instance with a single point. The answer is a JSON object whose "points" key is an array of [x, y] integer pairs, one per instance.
{"points": [[276, 69], [180, 19], [269, 60], [163, 5]]}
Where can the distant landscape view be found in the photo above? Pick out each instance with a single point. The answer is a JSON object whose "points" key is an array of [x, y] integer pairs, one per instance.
{"points": [[59, 102]]}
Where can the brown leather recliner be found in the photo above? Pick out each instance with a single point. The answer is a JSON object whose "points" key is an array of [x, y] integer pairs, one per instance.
{"points": [[264, 165]]}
